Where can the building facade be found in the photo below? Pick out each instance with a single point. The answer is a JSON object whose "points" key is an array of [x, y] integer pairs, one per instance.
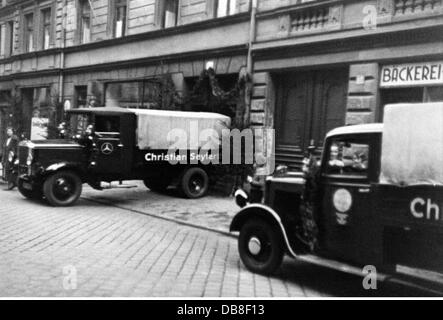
{"points": [[313, 64], [322, 64]]}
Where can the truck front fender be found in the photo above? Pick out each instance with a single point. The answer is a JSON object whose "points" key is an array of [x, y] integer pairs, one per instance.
{"points": [[258, 210], [59, 166]]}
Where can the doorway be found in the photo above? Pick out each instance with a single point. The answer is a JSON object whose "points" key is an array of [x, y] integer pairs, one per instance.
{"points": [[308, 105]]}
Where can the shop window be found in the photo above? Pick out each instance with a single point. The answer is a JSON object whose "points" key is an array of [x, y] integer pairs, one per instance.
{"points": [[38, 112], [348, 158], [135, 94], [81, 96], [46, 28], [85, 21], [400, 95], [5, 98], [433, 94], [29, 33], [225, 8], [167, 13], [120, 12], [200, 94]]}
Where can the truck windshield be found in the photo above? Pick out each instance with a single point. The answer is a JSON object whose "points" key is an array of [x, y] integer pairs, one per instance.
{"points": [[78, 123]]}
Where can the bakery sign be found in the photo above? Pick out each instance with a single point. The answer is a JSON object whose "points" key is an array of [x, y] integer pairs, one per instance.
{"points": [[412, 74]]}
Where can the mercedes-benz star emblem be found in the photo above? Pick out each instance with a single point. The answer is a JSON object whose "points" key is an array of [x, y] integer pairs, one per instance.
{"points": [[107, 148]]}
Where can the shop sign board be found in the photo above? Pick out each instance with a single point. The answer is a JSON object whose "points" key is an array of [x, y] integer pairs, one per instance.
{"points": [[412, 74], [39, 128]]}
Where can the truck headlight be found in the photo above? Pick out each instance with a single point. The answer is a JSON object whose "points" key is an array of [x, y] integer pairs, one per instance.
{"points": [[29, 158]]}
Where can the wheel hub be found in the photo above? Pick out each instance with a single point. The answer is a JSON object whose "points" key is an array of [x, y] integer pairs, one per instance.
{"points": [[196, 185], [254, 246], [62, 187]]}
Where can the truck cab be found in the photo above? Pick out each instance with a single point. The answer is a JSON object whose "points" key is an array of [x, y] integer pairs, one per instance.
{"points": [[374, 201]]}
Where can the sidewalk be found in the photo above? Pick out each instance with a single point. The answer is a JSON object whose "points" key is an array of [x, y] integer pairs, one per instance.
{"points": [[211, 212]]}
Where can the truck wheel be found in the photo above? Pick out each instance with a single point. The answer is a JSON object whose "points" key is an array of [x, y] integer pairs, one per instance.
{"points": [[62, 188], [156, 185], [194, 183], [30, 194], [261, 247]]}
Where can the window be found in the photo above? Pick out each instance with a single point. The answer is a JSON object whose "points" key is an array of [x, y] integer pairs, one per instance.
{"points": [[2, 40], [29, 32], [85, 21], [349, 158], [120, 18], [135, 94], [78, 123], [168, 13], [46, 28], [9, 38], [225, 8], [107, 124], [81, 94]]}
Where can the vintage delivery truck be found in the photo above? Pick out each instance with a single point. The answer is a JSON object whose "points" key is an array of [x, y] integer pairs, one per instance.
{"points": [[108, 144], [377, 200]]}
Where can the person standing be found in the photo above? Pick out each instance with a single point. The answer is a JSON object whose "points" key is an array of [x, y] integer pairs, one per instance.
{"points": [[9, 155]]}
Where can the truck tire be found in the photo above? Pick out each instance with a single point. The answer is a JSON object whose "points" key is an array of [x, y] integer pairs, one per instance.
{"points": [[194, 183], [156, 185], [62, 189], [260, 246], [30, 194]]}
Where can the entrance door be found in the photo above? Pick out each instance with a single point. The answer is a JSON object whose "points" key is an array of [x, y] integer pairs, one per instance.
{"points": [[346, 216], [308, 105], [110, 157]]}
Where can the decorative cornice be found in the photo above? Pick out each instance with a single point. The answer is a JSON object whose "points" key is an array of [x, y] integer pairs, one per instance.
{"points": [[189, 56], [296, 7]]}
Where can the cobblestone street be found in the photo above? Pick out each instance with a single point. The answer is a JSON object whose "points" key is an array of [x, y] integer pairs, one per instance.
{"points": [[97, 249]]}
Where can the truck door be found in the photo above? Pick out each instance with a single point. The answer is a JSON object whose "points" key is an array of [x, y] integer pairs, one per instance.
{"points": [[110, 155], [347, 195]]}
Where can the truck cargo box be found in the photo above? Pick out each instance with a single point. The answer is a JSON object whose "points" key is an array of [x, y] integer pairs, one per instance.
{"points": [[159, 129], [412, 147]]}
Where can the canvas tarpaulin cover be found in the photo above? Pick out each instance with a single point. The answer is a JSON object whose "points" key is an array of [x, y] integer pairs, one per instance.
{"points": [[159, 129], [412, 147]]}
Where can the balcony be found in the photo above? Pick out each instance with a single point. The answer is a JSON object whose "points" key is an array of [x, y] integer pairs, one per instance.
{"points": [[408, 7], [309, 20]]}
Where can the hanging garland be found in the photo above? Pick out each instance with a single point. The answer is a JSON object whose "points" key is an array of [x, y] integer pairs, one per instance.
{"points": [[221, 99]]}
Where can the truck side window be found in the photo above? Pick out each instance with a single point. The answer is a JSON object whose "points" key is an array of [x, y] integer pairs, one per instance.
{"points": [[348, 158], [108, 124]]}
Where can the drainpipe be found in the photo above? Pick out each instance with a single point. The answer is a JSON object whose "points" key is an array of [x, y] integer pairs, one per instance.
{"points": [[249, 64], [251, 35], [62, 54]]}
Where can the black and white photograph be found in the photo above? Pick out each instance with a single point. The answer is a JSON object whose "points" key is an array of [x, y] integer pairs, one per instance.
{"points": [[221, 149]]}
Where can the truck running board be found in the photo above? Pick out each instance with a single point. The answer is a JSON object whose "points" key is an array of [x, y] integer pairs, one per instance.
{"points": [[436, 280]]}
